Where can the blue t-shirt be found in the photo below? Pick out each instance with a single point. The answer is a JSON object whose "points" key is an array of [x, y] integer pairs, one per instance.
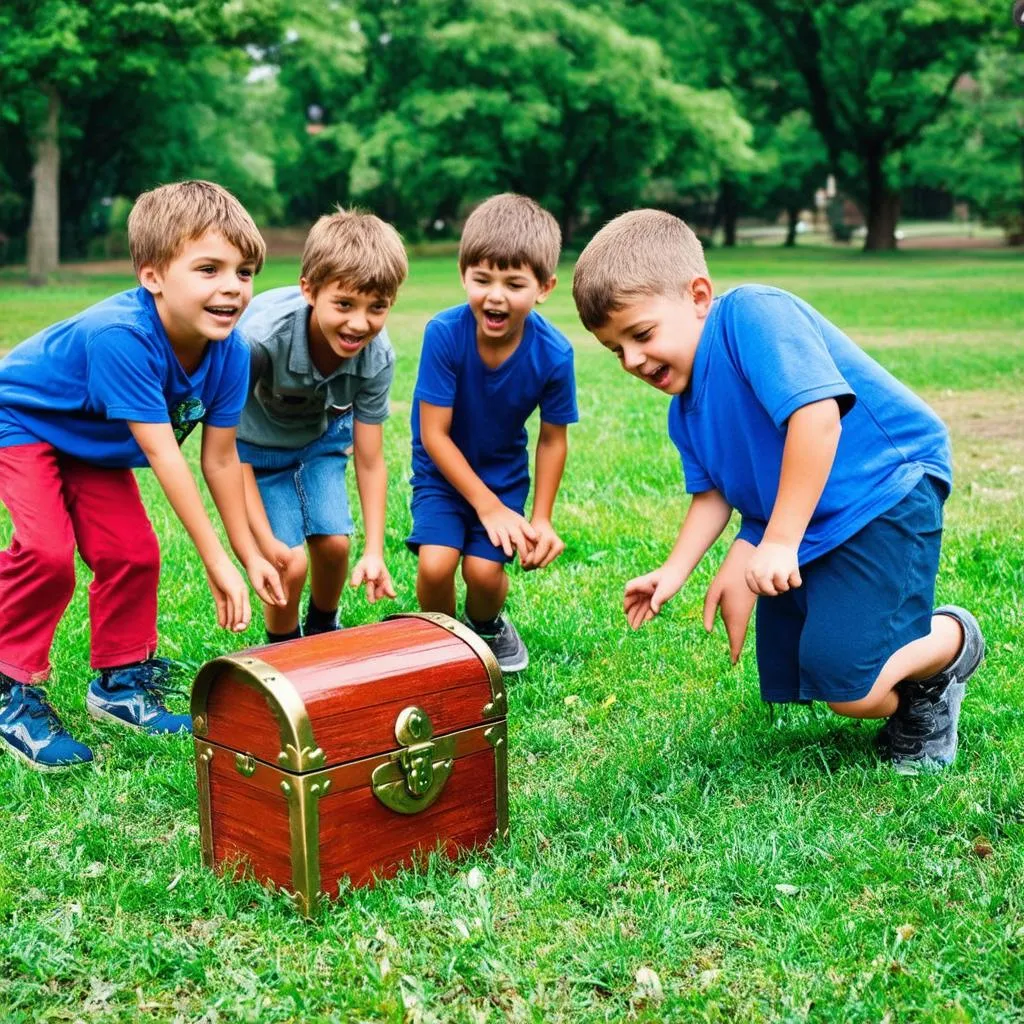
{"points": [[490, 407], [763, 354], [76, 384]]}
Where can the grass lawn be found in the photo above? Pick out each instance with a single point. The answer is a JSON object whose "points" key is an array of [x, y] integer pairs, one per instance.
{"points": [[763, 870]]}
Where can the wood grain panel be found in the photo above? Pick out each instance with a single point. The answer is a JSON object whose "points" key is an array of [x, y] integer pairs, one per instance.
{"points": [[361, 838], [249, 824]]}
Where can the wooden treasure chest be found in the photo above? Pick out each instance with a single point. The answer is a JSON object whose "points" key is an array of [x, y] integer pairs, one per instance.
{"points": [[344, 755]]}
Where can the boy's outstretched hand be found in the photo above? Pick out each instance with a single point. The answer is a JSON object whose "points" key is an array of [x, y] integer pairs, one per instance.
{"points": [[266, 581], [773, 569], [508, 530], [730, 595], [645, 595], [230, 594], [547, 548], [371, 570]]}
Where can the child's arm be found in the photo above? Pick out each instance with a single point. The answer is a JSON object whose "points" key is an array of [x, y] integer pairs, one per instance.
{"points": [[552, 448], [505, 528], [812, 436], [372, 479], [704, 522], [730, 595], [223, 474], [158, 444], [275, 551]]}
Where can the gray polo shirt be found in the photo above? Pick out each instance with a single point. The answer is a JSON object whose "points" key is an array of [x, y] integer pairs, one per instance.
{"points": [[290, 402]]}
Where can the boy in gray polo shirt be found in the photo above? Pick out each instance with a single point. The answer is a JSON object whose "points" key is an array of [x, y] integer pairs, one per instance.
{"points": [[322, 366]]}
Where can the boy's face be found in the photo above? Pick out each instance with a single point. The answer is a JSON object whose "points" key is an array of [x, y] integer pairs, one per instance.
{"points": [[344, 319], [501, 299], [202, 292], [656, 336]]}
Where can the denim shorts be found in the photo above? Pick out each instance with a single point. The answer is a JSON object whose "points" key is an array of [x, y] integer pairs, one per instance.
{"points": [[448, 520], [859, 604], [303, 489]]}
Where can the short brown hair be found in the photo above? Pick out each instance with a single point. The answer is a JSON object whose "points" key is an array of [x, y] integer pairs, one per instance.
{"points": [[165, 219], [357, 248], [643, 252], [510, 230]]}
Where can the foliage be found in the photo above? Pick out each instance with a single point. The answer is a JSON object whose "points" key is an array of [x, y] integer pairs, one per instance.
{"points": [[976, 150]]}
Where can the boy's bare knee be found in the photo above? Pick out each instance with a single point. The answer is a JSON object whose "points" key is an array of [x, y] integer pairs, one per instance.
{"points": [[436, 566], [483, 574], [332, 548]]}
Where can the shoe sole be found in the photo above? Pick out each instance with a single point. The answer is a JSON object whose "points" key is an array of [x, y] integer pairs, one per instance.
{"points": [[101, 715], [517, 666], [37, 767]]}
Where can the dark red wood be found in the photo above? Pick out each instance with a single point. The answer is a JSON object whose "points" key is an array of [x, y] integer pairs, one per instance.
{"points": [[360, 838], [250, 825], [353, 683]]}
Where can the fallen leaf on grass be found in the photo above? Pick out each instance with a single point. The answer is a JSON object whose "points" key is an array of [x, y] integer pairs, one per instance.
{"points": [[786, 889], [905, 932], [476, 879], [707, 978], [570, 700], [982, 848], [648, 986], [608, 701]]}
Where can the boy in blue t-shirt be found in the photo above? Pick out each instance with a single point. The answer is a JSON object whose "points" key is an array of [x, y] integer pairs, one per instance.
{"points": [[484, 368], [118, 386], [838, 471]]}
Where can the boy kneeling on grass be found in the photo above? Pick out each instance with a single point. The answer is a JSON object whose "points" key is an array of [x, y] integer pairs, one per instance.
{"points": [[838, 471], [118, 386], [322, 366]]}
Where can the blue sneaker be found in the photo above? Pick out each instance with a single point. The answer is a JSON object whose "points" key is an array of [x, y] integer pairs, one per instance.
{"points": [[134, 696], [34, 734]]}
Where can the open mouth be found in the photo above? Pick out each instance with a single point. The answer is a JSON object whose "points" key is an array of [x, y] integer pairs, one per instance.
{"points": [[495, 319], [350, 342], [225, 313], [659, 376]]}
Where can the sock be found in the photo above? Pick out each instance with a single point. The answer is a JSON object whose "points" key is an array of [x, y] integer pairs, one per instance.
{"points": [[276, 638], [487, 627], [320, 621]]}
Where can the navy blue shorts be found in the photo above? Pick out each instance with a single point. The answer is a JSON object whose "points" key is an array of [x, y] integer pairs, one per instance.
{"points": [[859, 604], [450, 521]]}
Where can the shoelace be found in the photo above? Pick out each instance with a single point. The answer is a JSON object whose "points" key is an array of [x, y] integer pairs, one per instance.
{"points": [[914, 723], [35, 706]]}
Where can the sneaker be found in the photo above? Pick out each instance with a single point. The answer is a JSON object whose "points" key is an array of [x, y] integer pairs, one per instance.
{"points": [[316, 622], [134, 696], [923, 734], [34, 734], [505, 643]]}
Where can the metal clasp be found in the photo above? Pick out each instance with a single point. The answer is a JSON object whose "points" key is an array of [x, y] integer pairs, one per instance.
{"points": [[421, 778]]}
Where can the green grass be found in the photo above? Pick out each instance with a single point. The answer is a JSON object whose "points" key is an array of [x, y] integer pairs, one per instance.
{"points": [[653, 831]]}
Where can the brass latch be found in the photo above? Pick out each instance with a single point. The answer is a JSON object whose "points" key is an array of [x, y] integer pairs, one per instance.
{"points": [[412, 779]]}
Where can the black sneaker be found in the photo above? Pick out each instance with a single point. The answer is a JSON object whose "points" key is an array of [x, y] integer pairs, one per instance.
{"points": [[505, 643], [923, 734], [317, 621]]}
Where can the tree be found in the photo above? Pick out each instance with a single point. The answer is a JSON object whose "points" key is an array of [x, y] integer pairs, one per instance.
{"points": [[63, 60], [569, 108], [876, 73], [976, 150]]}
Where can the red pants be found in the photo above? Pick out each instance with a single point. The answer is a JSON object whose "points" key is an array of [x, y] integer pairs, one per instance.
{"points": [[57, 503]]}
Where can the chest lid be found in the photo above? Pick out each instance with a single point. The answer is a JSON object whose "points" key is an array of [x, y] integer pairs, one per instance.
{"points": [[324, 700]]}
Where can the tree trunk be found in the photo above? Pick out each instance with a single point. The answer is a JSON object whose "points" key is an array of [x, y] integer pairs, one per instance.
{"points": [[793, 215], [44, 224], [729, 210], [883, 212]]}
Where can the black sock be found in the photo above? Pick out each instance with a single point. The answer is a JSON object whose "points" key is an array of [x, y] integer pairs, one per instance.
{"points": [[276, 638], [318, 620], [487, 626]]}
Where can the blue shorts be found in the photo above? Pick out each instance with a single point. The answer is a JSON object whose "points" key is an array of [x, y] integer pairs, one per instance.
{"points": [[303, 489], [446, 519], [859, 604]]}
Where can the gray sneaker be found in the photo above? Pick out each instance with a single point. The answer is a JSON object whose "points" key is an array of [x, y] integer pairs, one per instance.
{"points": [[922, 735], [506, 645]]}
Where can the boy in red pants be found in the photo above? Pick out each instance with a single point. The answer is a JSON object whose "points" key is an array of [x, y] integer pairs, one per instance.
{"points": [[118, 386]]}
